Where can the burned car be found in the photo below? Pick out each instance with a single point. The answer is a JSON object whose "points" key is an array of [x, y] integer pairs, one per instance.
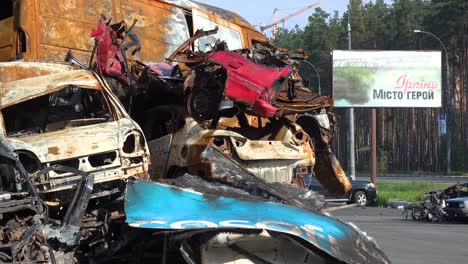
{"points": [[224, 90], [27, 234], [456, 204], [194, 220], [55, 114], [438, 205], [215, 92], [276, 153]]}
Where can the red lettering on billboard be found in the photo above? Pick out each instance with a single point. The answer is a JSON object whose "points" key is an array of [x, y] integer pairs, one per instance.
{"points": [[403, 82]]}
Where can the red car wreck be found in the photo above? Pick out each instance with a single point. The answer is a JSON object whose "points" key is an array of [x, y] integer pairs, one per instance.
{"points": [[248, 84]]}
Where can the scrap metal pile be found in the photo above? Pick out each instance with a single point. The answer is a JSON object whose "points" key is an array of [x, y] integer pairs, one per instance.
{"points": [[200, 159], [256, 93], [437, 204]]}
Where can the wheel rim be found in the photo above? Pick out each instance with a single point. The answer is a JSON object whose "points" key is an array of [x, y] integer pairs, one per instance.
{"points": [[361, 199]]}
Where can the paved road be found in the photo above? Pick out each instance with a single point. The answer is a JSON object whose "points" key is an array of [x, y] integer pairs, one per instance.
{"points": [[407, 241], [416, 178]]}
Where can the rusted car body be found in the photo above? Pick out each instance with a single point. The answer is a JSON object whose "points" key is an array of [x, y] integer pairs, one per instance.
{"points": [[246, 83], [260, 82], [243, 219], [47, 29], [231, 227], [282, 154], [257, 83], [54, 114], [27, 234]]}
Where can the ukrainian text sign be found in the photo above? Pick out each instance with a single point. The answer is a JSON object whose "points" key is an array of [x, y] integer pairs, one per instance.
{"points": [[387, 78]]}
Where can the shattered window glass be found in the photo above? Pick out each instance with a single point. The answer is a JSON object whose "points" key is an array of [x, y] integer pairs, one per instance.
{"points": [[69, 107]]}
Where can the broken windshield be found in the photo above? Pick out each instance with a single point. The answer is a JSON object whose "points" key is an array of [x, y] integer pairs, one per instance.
{"points": [[70, 107]]}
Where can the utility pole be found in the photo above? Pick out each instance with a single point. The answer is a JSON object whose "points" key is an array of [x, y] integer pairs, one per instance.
{"points": [[352, 165], [447, 105]]}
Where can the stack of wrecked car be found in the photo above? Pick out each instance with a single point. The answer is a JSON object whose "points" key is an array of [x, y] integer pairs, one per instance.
{"points": [[249, 103], [213, 206], [204, 235]]}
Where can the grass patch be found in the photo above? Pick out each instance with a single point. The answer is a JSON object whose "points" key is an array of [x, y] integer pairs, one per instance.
{"points": [[405, 191]]}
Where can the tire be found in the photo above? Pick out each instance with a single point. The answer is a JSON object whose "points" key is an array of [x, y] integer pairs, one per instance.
{"points": [[360, 198]]}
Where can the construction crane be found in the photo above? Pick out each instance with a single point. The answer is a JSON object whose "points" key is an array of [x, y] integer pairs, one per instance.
{"points": [[282, 20]]}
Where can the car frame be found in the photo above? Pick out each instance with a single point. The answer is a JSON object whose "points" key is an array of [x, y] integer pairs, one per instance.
{"points": [[111, 148], [25, 227], [282, 160]]}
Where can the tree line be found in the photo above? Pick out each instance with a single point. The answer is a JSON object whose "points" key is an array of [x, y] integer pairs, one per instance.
{"points": [[408, 138]]}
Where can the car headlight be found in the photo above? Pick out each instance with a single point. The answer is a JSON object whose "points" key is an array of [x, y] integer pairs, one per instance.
{"points": [[371, 185], [462, 205]]}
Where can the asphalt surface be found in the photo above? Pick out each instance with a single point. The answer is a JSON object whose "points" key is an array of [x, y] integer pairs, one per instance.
{"points": [[441, 179], [408, 241]]}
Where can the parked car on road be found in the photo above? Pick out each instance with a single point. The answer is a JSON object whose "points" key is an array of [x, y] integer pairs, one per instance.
{"points": [[363, 192]]}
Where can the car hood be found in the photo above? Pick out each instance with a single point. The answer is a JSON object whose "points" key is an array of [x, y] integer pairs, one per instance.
{"points": [[459, 199], [88, 140], [159, 206], [360, 183]]}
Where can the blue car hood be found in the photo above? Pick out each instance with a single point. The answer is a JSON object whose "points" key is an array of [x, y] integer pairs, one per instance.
{"points": [[160, 206]]}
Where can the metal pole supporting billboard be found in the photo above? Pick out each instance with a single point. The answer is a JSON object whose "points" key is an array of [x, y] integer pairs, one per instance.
{"points": [[352, 165], [447, 99], [374, 146]]}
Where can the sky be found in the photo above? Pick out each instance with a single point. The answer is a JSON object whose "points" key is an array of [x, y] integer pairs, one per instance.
{"points": [[261, 11]]}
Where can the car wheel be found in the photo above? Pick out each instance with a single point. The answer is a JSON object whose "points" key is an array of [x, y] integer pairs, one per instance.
{"points": [[360, 198]]}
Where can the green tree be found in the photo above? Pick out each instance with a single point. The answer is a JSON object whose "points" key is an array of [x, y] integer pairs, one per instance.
{"points": [[290, 39]]}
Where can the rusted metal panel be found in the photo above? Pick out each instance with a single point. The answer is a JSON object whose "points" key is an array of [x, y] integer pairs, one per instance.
{"points": [[56, 145], [224, 14], [65, 33], [158, 51], [7, 37], [59, 53], [27, 21], [161, 149], [271, 160], [160, 34], [156, 21], [227, 31], [266, 149], [86, 11], [18, 70], [281, 171], [52, 27], [251, 35]]}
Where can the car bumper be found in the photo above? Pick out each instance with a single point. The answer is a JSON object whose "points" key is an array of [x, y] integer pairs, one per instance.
{"points": [[456, 212], [372, 195]]}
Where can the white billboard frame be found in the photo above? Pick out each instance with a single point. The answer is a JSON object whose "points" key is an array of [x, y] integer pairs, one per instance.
{"points": [[381, 78]]}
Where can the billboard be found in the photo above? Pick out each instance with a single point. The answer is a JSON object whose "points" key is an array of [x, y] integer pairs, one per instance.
{"points": [[387, 78]]}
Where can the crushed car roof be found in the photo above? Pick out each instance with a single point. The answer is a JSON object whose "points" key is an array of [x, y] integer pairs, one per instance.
{"points": [[25, 89], [17, 70]]}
